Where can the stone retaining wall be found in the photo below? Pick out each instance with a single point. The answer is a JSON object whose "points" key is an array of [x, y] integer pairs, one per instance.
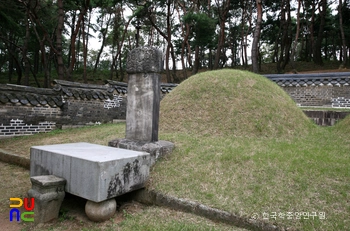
{"points": [[326, 118], [323, 89]]}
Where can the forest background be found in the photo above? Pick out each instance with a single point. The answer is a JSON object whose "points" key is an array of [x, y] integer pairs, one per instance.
{"points": [[83, 40]]}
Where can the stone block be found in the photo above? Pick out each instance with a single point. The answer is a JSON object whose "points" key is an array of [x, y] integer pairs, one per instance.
{"points": [[94, 172], [155, 149], [48, 192]]}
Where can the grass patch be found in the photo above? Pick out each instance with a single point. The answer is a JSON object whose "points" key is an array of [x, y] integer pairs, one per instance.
{"points": [[98, 134], [15, 183], [155, 218], [263, 176]]}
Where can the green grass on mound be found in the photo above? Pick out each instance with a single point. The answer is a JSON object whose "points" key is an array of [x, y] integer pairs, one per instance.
{"points": [[342, 128], [231, 102]]}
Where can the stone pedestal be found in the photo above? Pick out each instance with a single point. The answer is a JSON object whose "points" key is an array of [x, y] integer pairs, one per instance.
{"points": [[48, 193], [155, 149]]}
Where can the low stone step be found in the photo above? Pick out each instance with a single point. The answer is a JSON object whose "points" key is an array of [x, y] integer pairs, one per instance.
{"points": [[94, 172]]}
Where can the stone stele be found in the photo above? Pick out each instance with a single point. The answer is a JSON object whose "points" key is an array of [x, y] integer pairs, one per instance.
{"points": [[142, 115]]}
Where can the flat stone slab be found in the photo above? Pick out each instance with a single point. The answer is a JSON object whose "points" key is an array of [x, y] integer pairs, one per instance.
{"points": [[94, 172]]}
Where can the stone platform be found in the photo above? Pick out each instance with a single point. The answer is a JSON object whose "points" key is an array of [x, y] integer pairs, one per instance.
{"points": [[94, 172]]}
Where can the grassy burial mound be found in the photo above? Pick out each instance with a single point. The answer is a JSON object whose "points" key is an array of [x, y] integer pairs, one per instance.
{"points": [[231, 102], [219, 120]]}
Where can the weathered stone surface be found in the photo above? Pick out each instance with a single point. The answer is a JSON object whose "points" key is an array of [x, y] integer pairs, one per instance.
{"points": [[142, 113], [48, 192], [144, 60], [92, 171], [155, 149], [100, 211]]}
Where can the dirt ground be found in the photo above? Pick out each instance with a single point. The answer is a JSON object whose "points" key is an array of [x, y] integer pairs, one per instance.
{"points": [[6, 225]]}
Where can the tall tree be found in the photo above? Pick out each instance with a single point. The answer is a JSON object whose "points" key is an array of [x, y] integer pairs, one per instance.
{"points": [[246, 25], [294, 47], [61, 69], [340, 14], [223, 14], [317, 53], [285, 25], [104, 19], [83, 11], [256, 37]]}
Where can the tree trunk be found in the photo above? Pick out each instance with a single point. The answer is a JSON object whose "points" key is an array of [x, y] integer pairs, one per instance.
{"points": [[25, 47], [317, 54], [340, 7], [74, 37], [220, 44], [85, 42], [104, 32], [196, 61], [168, 38], [44, 62], [183, 44], [59, 30], [120, 46], [285, 39], [184, 71], [72, 24], [256, 38], [296, 37], [288, 37], [222, 13]]}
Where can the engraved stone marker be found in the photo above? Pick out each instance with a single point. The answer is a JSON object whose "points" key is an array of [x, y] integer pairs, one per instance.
{"points": [[144, 65]]}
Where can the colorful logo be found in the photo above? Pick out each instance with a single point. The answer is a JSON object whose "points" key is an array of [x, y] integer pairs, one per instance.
{"points": [[28, 206]]}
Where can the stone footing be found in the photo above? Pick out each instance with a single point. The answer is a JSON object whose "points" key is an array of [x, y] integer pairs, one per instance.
{"points": [[100, 211], [155, 149], [48, 193]]}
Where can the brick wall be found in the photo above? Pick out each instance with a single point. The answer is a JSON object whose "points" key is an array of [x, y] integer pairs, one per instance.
{"points": [[316, 89], [27, 110], [319, 95], [28, 113], [18, 127], [78, 111]]}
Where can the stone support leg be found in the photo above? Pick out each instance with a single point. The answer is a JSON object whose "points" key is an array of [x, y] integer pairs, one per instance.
{"points": [[48, 193]]}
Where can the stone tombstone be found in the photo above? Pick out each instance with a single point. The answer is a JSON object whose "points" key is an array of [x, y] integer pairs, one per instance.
{"points": [[144, 65]]}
